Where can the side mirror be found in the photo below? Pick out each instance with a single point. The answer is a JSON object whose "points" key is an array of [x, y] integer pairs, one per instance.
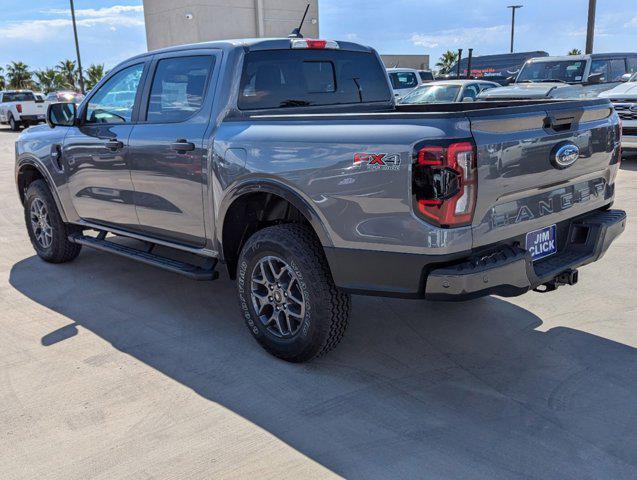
{"points": [[510, 79], [625, 77], [61, 114], [468, 100], [595, 78]]}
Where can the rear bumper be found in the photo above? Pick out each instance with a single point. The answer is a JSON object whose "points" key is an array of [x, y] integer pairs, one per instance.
{"points": [[32, 118], [505, 270]]}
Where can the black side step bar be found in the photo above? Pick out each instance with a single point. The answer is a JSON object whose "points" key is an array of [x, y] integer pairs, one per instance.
{"points": [[191, 271]]}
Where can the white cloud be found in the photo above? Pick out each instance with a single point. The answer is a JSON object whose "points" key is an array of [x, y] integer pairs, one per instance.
{"points": [[461, 36], [98, 12], [631, 23], [39, 30]]}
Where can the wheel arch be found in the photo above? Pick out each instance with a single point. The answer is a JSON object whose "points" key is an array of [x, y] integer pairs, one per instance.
{"points": [[27, 171], [237, 220]]}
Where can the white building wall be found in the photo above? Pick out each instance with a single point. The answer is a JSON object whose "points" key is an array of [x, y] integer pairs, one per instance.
{"points": [[175, 22]]}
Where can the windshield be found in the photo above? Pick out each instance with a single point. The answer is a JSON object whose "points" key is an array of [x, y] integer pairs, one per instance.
{"points": [[568, 71], [403, 80], [432, 94]]}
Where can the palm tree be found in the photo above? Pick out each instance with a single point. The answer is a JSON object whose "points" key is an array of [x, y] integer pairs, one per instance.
{"points": [[47, 79], [446, 61], [19, 75], [575, 51], [3, 81], [68, 74], [94, 74]]}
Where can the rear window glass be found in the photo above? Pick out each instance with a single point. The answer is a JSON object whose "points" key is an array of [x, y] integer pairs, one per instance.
{"points": [[18, 97], [303, 78]]}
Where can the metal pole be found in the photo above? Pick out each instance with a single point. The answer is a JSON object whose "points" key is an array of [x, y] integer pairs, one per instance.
{"points": [[469, 63], [590, 28], [77, 49], [513, 9], [458, 64]]}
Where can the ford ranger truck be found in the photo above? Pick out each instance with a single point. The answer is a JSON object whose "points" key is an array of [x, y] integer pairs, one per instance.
{"points": [[287, 161]]}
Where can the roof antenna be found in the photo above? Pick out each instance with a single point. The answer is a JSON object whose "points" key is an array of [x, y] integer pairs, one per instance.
{"points": [[296, 33]]}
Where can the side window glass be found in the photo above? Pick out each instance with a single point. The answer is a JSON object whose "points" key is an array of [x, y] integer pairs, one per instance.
{"points": [[600, 66], [617, 69], [470, 91], [178, 88], [114, 101], [632, 64]]}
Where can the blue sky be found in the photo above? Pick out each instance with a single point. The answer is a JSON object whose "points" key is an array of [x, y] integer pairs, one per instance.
{"points": [[38, 32]]}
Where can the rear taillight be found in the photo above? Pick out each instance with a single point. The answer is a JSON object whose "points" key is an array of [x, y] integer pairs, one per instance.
{"points": [[444, 184], [18, 107], [314, 44]]}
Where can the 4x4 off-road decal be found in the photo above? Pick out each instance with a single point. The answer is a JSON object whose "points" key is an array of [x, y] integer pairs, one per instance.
{"points": [[377, 161]]}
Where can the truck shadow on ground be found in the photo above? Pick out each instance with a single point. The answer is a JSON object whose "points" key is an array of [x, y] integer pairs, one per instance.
{"points": [[467, 390]]}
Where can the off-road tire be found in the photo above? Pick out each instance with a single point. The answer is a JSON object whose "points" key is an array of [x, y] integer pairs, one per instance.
{"points": [[61, 249], [13, 124], [327, 308]]}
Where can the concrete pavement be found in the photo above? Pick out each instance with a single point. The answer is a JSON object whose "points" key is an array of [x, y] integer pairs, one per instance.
{"points": [[111, 369]]}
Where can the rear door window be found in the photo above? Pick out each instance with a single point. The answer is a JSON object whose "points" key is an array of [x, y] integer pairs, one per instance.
{"points": [[303, 78], [178, 88]]}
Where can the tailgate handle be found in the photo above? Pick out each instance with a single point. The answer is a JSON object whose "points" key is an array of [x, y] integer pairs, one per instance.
{"points": [[559, 124]]}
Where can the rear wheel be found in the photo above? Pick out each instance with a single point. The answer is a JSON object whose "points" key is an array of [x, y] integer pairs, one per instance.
{"points": [[287, 295], [13, 125], [48, 233]]}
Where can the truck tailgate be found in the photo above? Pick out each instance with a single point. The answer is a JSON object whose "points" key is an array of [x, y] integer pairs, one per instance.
{"points": [[526, 181]]}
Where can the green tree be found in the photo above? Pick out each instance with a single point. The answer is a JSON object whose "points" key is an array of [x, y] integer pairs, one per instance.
{"points": [[67, 74], [575, 51], [19, 75], [47, 80], [3, 81], [446, 61], [94, 74]]}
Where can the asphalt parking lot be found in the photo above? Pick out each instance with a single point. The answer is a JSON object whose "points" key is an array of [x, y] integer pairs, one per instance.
{"points": [[111, 369]]}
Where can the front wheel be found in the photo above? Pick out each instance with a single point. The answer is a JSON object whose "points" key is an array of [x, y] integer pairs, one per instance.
{"points": [[47, 231], [287, 295]]}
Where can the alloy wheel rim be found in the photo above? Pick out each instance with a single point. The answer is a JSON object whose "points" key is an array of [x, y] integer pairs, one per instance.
{"points": [[277, 297], [40, 223]]}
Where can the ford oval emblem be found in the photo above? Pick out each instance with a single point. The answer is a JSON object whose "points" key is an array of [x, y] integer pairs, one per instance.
{"points": [[564, 155]]}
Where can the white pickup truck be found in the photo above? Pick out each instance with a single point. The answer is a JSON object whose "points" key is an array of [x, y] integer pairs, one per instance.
{"points": [[21, 107], [624, 98]]}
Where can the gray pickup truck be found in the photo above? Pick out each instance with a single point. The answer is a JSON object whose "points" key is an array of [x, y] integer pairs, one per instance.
{"points": [[288, 161]]}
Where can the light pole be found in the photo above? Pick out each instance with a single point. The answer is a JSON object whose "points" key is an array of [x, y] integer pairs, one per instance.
{"points": [[590, 27], [513, 9], [77, 48]]}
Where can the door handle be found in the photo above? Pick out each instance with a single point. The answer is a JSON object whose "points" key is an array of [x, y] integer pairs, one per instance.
{"points": [[182, 146], [114, 144]]}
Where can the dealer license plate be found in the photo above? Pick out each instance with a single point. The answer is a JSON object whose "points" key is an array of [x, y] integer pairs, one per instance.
{"points": [[541, 243]]}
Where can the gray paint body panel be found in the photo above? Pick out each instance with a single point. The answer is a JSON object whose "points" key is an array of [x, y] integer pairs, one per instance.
{"points": [[307, 156]]}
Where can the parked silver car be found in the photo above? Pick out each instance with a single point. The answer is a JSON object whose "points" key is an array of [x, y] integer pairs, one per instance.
{"points": [[447, 91]]}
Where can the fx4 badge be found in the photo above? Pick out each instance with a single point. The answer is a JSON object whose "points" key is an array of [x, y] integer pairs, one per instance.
{"points": [[377, 161]]}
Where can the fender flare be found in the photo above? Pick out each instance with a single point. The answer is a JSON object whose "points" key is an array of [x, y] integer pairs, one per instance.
{"points": [[35, 163], [265, 185]]}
